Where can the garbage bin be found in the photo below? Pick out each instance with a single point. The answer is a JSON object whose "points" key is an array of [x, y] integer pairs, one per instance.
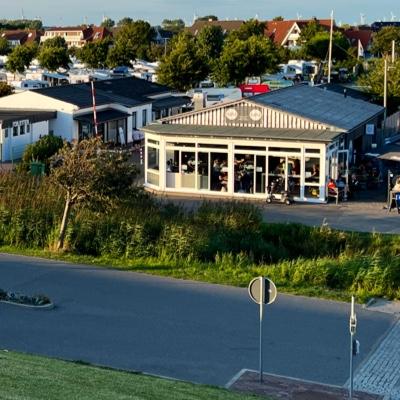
{"points": [[37, 168]]}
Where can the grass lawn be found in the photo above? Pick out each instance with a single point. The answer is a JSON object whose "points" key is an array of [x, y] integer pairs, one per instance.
{"points": [[25, 376], [197, 271]]}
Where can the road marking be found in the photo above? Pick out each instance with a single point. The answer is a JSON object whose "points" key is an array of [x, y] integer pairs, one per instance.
{"points": [[380, 374]]}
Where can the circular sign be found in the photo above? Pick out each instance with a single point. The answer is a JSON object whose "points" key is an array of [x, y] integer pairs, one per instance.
{"points": [[231, 114], [255, 114], [262, 290]]}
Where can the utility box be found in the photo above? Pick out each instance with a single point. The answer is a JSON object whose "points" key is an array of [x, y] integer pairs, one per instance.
{"points": [[37, 168]]}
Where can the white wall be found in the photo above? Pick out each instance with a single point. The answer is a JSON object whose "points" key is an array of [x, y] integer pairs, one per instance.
{"points": [[30, 100], [14, 146]]}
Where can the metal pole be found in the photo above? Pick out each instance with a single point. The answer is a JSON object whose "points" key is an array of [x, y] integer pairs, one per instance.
{"points": [[393, 51], [262, 298], [385, 95], [352, 332], [330, 49]]}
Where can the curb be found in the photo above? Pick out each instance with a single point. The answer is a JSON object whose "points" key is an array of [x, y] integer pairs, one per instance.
{"points": [[49, 306]]}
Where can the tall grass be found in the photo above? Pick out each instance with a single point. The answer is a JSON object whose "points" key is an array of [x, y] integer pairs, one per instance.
{"points": [[227, 240]]}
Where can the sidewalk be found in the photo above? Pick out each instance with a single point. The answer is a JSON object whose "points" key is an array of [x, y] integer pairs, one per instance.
{"points": [[282, 388], [360, 215]]}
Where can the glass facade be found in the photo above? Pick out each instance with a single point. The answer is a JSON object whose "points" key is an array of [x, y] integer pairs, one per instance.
{"points": [[199, 165]]}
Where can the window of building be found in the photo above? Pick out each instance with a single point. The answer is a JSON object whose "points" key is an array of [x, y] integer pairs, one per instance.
{"points": [[28, 128], [134, 120], [22, 130], [15, 130], [144, 117], [153, 158]]}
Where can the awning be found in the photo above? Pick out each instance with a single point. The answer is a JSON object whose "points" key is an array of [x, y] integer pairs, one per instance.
{"points": [[102, 116], [10, 116], [170, 102], [392, 153]]}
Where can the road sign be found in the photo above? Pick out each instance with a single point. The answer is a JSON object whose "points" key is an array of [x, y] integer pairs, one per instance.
{"points": [[262, 290]]}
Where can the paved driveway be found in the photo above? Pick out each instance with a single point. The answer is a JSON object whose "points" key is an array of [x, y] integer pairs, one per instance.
{"points": [[183, 329]]}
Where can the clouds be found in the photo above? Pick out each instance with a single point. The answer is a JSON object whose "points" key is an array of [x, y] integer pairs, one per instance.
{"points": [[73, 12]]}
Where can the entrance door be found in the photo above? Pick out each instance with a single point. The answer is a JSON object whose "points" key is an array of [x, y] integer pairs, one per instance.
{"points": [[343, 165]]}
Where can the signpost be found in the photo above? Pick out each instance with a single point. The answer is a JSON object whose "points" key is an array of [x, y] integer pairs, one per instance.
{"points": [[262, 291], [353, 344]]}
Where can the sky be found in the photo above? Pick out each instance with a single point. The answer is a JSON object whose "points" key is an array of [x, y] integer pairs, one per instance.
{"points": [[76, 12]]}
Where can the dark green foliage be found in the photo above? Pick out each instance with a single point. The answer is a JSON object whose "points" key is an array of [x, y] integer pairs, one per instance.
{"points": [[41, 151], [219, 241]]}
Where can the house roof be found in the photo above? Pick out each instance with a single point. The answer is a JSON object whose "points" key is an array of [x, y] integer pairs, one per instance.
{"points": [[320, 136], [129, 92], [8, 116], [352, 92], [226, 26], [319, 105], [23, 36], [362, 35], [101, 116], [278, 30], [170, 102]]}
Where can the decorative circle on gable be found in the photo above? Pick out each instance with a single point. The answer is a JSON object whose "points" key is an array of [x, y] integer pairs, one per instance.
{"points": [[255, 114], [231, 114]]}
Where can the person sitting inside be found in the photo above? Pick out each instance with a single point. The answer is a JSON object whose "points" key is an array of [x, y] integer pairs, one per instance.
{"points": [[396, 187], [315, 172], [223, 180]]}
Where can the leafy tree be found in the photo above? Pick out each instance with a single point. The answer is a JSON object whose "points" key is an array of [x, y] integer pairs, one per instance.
{"points": [[4, 47], [20, 58], [91, 177], [132, 41], [57, 41], [310, 30], [373, 81], [243, 58], [107, 23], [382, 41], [250, 28], [94, 54], [41, 151], [183, 68], [208, 18], [124, 21], [210, 41], [318, 46], [52, 58], [53, 54], [173, 25], [5, 89], [158, 51], [278, 18]]}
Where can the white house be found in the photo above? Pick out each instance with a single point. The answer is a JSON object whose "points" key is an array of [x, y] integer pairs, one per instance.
{"points": [[20, 128], [123, 107]]}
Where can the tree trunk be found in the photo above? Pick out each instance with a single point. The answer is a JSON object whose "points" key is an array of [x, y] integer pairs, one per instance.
{"points": [[64, 223]]}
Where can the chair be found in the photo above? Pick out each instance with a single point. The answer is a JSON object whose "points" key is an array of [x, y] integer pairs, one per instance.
{"points": [[336, 193]]}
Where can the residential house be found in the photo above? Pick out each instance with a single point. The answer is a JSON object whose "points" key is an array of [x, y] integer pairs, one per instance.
{"points": [[18, 128], [360, 38], [123, 107], [286, 33], [226, 26], [297, 137], [18, 37], [77, 36]]}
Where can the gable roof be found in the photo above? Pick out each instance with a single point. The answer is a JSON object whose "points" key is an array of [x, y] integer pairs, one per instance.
{"points": [[319, 105], [23, 36], [278, 30], [129, 92], [226, 26], [362, 35]]}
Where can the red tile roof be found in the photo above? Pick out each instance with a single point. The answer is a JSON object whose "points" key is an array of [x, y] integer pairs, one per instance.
{"points": [[278, 30], [363, 35], [22, 36]]}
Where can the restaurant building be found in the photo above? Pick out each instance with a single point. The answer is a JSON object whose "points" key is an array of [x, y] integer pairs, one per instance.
{"points": [[298, 137]]}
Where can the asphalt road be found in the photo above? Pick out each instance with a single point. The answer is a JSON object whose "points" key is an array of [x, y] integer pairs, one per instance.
{"points": [[182, 329]]}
